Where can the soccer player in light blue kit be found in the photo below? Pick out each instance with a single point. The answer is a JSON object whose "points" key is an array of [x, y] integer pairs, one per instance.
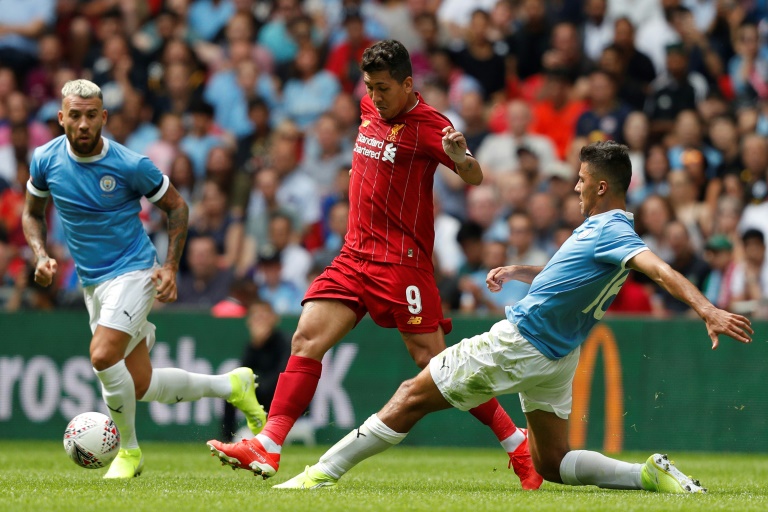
{"points": [[535, 349], [96, 185]]}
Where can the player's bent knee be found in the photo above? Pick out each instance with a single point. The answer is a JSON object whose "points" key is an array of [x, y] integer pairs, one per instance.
{"points": [[103, 358]]}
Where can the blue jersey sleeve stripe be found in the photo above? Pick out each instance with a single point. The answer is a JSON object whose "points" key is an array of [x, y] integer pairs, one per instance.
{"points": [[37, 192], [159, 191]]}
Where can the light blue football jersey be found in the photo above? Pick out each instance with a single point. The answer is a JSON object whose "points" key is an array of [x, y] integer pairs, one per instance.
{"points": [[97, 198], [573, 291]]}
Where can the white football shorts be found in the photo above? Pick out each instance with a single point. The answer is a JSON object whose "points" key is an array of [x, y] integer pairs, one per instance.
{"points": [[124, 303], [499, 362]]}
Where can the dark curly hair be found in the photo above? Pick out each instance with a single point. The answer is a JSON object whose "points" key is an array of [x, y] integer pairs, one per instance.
{"points": [[388, 55]]}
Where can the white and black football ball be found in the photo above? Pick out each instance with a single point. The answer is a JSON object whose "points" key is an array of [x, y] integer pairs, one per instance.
{"points": [[92, 440]]}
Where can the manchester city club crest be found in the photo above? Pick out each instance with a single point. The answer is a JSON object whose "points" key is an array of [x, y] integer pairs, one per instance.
{"points": [[107, 183]]}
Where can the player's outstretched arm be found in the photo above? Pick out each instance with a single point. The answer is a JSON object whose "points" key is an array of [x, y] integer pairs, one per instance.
{"points": [[523, 273], [178, 220], [718, 321], [35, 231], [455, 146]]}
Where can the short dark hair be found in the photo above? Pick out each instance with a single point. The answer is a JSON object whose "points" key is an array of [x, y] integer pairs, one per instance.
{"points": [[609, 160], [753, 234], [388, 55]]}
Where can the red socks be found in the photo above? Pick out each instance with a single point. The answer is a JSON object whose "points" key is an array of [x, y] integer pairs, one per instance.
{"points": [[491, 413], [295, 388]]}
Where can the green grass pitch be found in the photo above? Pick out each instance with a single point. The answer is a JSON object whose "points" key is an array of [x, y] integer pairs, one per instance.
{"points": [[37, 475]]}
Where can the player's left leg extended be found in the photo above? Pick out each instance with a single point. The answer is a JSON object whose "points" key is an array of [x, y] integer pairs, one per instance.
{"points": [[555, 460], [172, 385], [423, 347], [414, 399]]}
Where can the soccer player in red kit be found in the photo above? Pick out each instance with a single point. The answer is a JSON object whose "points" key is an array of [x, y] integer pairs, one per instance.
{"points": [[385, 266]]}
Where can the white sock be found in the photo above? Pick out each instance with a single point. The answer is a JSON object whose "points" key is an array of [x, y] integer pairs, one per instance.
{"points": [[371, 438], [172, 385], [269, 444], [582, 467], [119, 393], [511, 443]]}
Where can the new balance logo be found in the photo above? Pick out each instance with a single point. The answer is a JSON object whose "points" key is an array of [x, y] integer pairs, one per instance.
{"points": [[128, 315], [389, 153], [414, 320], [119, 410]]}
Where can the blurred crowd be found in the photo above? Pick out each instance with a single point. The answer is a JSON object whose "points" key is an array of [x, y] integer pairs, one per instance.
{"points": [[251, 108]]}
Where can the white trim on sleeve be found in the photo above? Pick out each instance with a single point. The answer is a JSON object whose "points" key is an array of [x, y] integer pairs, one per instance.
{"points": [[160, 193], [36, 191], [632, 255]]}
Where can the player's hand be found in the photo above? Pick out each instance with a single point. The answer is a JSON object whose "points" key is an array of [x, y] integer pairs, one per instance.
{"points": [[45, 270], [723, 322], [454, 144], [497, 277], [165, 284]]}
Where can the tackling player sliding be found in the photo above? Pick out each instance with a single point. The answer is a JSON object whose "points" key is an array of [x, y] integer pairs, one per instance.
{"points": [[385, 266]]}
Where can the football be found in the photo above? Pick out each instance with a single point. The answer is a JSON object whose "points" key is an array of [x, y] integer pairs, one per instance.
{"points": [[92, 440]]}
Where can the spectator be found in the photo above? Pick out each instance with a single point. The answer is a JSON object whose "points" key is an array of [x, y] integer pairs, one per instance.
{"points": [[566, 51], [163, 151], [657, 33], [310, 92], [295, 260], [212, 219], [481, 59], [322, 167], [748, 69], [556, 113], [655, 171], [653, 215], [459, 83], [498, 152], [543, 212], [718, 284], [22, 25], [484, 208], [275, 36], [598, 28], [266, 353], [338, 219], [39, 83], [750, 277], [253, 149], [344, 59], [605, 117], [628, 90], [205, 283], [207, 17], [475, 297], [532, 38], [201, 137], [754, 153], [684, 259], [674, 90], [637, 64], [636, 136], [182, 176], [283, 296], [472, 112]]}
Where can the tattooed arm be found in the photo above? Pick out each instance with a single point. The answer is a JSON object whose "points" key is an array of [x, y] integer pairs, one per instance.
{"points": [[178, 217], [35, 231]]}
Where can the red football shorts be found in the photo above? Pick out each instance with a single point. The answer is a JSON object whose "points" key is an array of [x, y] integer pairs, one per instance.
{"points": [[394, 295]]}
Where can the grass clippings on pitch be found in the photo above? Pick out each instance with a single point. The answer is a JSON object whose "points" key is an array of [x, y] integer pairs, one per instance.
{"points": [[38, 476]]}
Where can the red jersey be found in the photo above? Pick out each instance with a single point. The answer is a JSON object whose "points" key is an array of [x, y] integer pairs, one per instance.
{"points": [[391, 217]]}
